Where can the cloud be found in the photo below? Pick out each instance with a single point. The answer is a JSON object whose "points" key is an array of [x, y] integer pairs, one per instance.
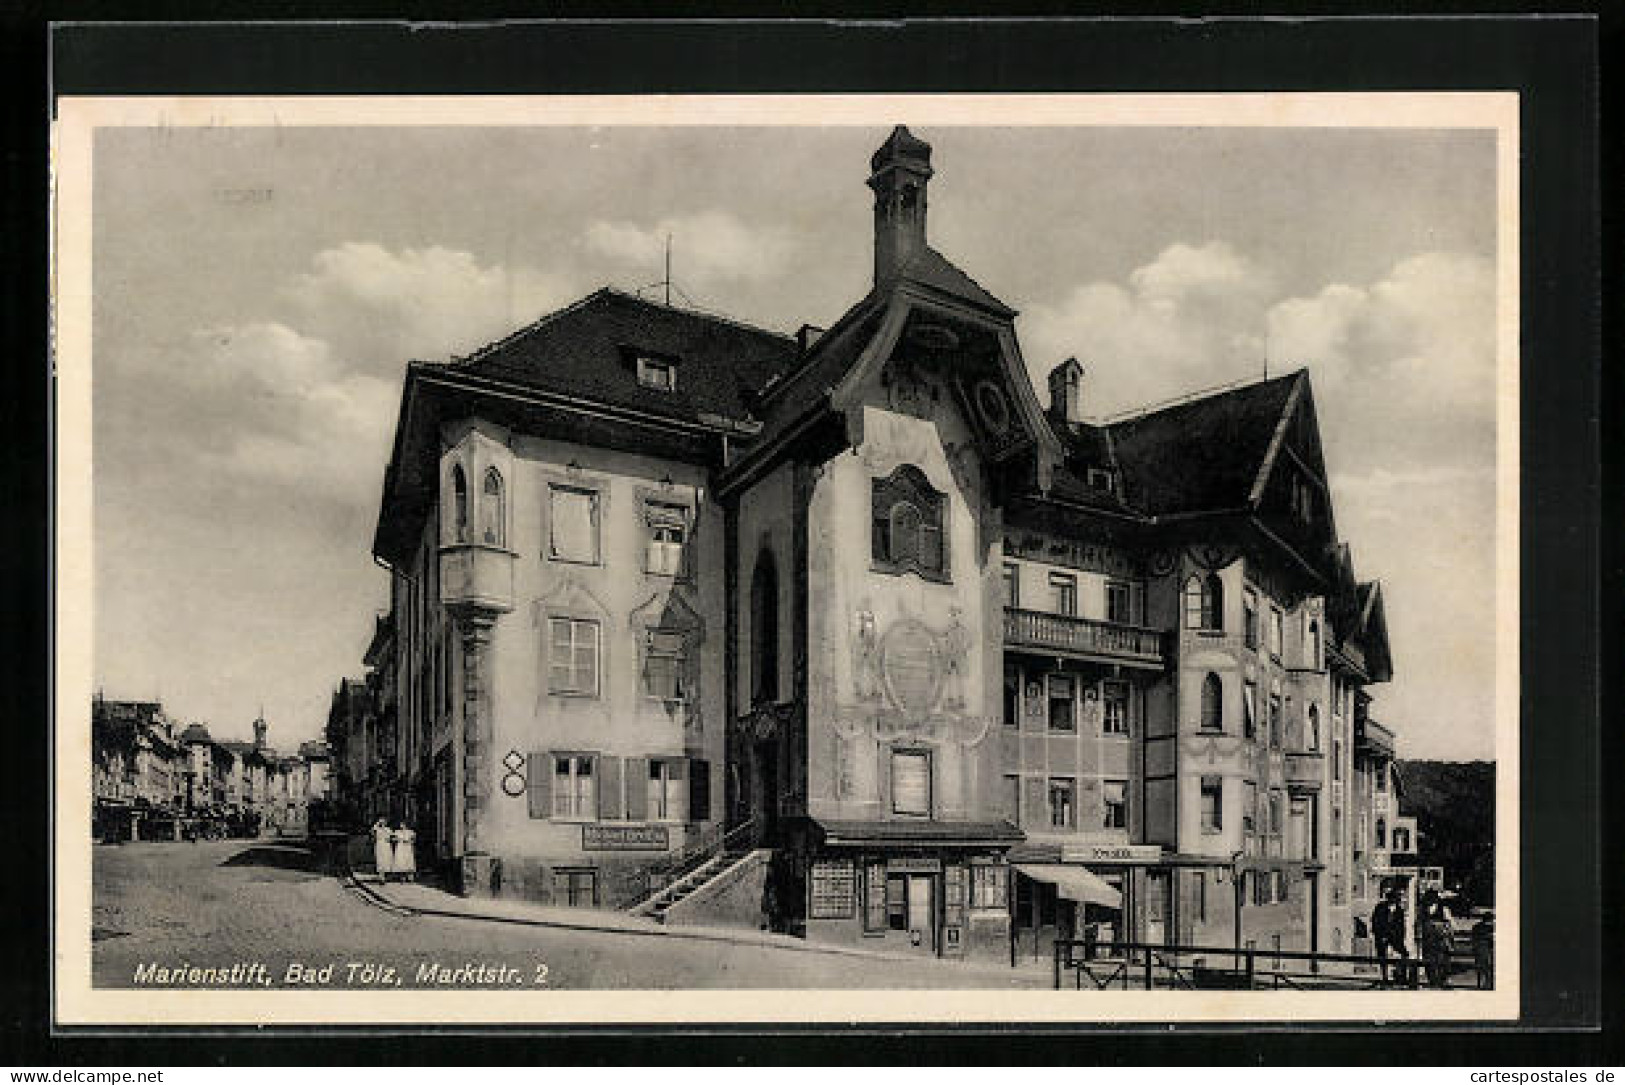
{"points": [[380, 308], [1189, 319], [709, 250], [1412, 357]]}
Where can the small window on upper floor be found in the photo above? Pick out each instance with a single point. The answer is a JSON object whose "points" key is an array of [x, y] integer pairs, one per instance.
{"points": [[907, 517], [1101, 478], [1204, 602], [657, 373], [492, 515]]}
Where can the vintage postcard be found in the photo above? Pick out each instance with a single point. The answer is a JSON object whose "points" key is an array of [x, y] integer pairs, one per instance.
{"points": [[984, 558]]}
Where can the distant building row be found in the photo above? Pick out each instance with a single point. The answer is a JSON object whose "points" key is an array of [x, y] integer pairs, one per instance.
{"points": [[152, 777]]}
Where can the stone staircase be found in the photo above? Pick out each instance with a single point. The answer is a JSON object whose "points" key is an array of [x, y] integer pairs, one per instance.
{"points": [[708, 861]]}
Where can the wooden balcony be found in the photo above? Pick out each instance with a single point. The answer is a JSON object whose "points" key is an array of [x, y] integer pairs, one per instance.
{"points": [[1084, 638]]}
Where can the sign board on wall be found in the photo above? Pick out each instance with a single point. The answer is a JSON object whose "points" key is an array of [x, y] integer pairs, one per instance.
{"points": [[913, 864], [625, 838], [1111, 853], [834, 889]]}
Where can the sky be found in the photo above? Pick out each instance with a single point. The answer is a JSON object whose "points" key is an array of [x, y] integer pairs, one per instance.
{"points": [[258, 291]]}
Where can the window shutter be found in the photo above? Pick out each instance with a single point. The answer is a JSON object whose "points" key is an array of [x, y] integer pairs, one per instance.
{"points": [[637, 788], [538, 780], [609, 788], [699, 790]]}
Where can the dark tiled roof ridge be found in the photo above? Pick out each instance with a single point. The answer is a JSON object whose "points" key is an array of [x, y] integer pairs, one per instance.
{"points": [[1200, 397], [624, 295]]}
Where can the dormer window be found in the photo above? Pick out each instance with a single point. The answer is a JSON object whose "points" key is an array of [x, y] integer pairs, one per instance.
{"points": [[659, 374]]}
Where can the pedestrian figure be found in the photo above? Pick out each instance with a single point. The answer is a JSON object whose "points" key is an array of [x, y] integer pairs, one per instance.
{"points": [[1434, 933], [382, 849], [1484, 951], [1388, 930], [406, 859]]}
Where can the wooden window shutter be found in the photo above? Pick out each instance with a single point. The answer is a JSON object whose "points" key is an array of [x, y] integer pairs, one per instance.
{"points": [[637, 788], [699, 790], [538, 780], [610, 806]]}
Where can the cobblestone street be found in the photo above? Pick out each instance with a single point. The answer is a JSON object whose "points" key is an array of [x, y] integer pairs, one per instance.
{"points": [[223, 903]]}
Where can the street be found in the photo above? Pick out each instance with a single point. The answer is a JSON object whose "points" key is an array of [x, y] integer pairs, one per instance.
{"points": [[164, 909]]}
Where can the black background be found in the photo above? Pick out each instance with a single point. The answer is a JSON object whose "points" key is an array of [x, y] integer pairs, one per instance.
{"points": [[1568, 951]]}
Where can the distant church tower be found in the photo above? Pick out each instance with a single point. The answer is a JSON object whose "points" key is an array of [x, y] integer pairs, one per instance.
{"points": [[260, 727], [900, 170]]}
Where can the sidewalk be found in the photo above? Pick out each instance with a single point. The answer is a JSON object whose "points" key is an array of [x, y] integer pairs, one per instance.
{"points": [[428, 900]]}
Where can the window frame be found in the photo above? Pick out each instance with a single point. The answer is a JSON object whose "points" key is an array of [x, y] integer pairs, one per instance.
{"points": [[1249, 609], [1204, 603], [660, 511], [572, 622], [672, 791], [904, 754], [1107, 702], [1107, 806], [493, 526], [1124, 590], [1211, 788], [573, 764], [1211, 694], [907, 489], [648, 364], [1051, 700], [1061, 785], [596, 506], [1064, 594], [570, 876], [683, 661]]}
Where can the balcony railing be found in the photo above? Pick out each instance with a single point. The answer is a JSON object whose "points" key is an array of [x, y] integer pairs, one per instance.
{"points": [[1087, 638]]}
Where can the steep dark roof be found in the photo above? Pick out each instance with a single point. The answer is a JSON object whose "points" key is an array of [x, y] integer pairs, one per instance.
{"points": [[929, 267], [589, 349], [1200, 455], [196, 733], [828, 361]]}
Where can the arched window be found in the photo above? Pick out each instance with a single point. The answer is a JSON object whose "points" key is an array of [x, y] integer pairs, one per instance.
{"points": [[908, 520], [1212, 703], [1312, 739], [764, 630], [459, 502], [1314, 644], [1382, 833], [491, 511], [1204, 602]]}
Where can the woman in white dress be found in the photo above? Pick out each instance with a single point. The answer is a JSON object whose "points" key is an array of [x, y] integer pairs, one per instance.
{"points": [[382, 849], [406, 859]]}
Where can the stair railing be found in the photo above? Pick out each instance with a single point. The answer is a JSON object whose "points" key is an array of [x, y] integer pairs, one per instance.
{"points": [[692, 855]]}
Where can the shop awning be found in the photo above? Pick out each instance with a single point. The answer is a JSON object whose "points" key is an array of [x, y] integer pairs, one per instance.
{"points": [[1074, 883]]}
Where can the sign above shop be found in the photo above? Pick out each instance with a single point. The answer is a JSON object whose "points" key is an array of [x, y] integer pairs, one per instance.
{"points": [[625, 838], [913, 864], [1111, 853]]}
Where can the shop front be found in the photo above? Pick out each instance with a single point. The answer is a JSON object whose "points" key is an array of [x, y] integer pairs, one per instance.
{"points": [[1097, 894], [938, 889]]}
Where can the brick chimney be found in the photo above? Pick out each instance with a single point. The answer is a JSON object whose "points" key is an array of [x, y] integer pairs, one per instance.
{"points": [[1066, 392], [900, 170]]}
